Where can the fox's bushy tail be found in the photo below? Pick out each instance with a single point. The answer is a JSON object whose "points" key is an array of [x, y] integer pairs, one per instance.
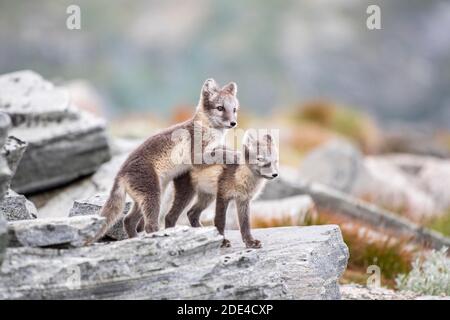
{"points": [[112, 209]]}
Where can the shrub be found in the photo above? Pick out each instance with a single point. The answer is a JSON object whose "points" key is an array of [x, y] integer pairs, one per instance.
{"points": [[429, 275]]}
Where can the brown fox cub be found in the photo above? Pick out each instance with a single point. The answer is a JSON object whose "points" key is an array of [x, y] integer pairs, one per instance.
{"points": [[148, 169], [238, 182]]}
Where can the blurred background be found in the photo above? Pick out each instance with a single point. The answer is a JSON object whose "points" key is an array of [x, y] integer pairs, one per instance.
{"points": [[310, 68], [153, 56]]}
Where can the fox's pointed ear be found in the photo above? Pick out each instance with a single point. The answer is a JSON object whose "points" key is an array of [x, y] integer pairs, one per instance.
{"points": [[230, 88], [209, 88]]}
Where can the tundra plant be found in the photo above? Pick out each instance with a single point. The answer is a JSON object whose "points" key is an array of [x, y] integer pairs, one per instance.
{"points": [[430, 275]]}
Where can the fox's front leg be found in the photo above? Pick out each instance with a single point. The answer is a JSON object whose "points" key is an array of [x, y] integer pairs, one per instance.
{"points": [[243, 208], [220, 218]]}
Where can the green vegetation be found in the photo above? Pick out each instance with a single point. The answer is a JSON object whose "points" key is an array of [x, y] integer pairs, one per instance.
{"points": [[441, 223], [391, 254], [341, 120], [429, 275]]}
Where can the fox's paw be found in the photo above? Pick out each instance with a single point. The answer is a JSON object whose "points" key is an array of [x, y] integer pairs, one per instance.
{"points": [[196, 224], [226, 243], [254, 244]]}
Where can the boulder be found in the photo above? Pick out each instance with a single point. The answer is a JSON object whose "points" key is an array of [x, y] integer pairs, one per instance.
{"points": [[428, 174], [67, 232], [16, 207], [183, 263], [92, 206], [341, 166], [337, 164], [63, 142], [55, 203], [13, 150]]}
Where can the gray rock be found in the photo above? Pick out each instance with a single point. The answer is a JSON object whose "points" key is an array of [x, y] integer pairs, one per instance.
{"points": [[5, 172], [55, 203], [16, 207], [92, 206], [337, 164], [13, 151], [339, 203], [5, 124], [71, 232], [3, 238], [5, 178], [63, 142], [183, 263]]}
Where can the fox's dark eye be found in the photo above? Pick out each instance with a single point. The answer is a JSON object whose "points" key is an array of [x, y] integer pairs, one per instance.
{"points": [[234, 110], [220, 108]]}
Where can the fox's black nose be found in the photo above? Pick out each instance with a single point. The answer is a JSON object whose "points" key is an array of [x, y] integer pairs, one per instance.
{"points": [[233, 123], [274, 175]]}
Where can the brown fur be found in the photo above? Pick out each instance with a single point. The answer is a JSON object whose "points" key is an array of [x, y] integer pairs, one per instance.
{"points": [[238, 182], [150, 167]]}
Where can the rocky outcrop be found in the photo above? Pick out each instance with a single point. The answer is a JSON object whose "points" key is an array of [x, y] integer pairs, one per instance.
{"points": [[339, 203], [341, 166], [57, 203], [68, 232], [429, 174], [183, 263], [16, 207], [337, 164], [92, 206], [55, 130], [10, 152]]}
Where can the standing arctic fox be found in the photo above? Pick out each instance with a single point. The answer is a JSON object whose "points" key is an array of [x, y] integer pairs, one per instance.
{"points": [[149, 168], [239, 182]]}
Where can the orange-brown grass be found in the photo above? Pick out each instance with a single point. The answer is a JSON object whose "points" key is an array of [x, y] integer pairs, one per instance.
{"points": [[341, 120], [392, 254], [282, 221], [181, 113], [307, 136]]}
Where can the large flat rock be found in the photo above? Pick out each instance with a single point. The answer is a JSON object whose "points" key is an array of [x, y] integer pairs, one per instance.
{"points": [[64, 143], [68, 232], [183, 263]]}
